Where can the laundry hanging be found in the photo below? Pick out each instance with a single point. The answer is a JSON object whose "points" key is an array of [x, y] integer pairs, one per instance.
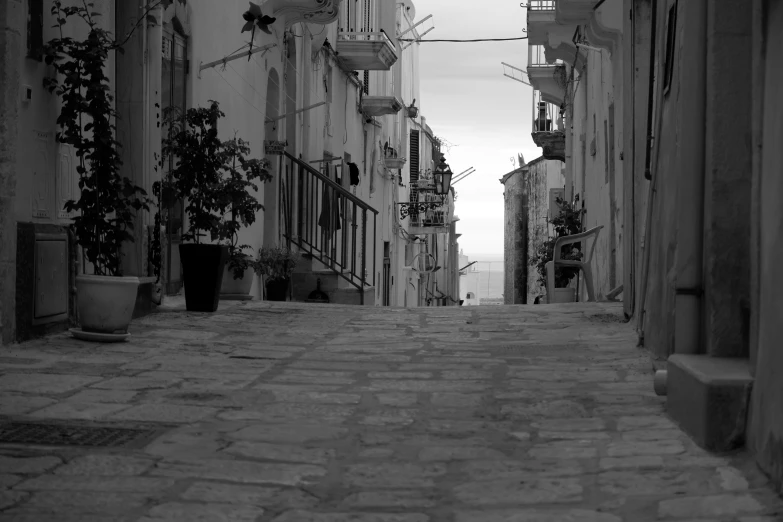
{"points": [[329, 220]]}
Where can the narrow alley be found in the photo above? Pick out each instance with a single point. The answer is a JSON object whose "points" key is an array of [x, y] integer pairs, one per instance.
{"points": [[294, 412]]}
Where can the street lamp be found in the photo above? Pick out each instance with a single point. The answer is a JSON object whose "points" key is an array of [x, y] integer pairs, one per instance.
{"points": [[442, 177]]}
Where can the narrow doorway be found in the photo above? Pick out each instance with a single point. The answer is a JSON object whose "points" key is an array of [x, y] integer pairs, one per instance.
{"points": [[386, 274], [174, 80]]}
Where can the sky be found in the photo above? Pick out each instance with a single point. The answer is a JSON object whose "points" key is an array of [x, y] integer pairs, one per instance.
{"points": [[484, 115]]}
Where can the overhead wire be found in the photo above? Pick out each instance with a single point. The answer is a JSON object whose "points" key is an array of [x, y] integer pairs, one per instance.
{"points": [[465, 41]]}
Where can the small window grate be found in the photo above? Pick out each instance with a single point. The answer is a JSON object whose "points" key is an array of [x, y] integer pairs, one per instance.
{"points": [[68, 435]]}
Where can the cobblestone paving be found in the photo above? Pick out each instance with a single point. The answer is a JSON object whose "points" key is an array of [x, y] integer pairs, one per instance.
{"points": [[289, 412]]}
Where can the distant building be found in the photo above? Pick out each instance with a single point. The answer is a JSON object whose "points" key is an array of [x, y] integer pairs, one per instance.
{"points": [[529, 198], [469, 286]]}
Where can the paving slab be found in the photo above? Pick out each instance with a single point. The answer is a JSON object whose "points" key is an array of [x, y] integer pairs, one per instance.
{"points": [[296, 412]]}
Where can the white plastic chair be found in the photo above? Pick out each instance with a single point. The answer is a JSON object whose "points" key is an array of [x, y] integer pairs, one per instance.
{"points": [[583, 264]]}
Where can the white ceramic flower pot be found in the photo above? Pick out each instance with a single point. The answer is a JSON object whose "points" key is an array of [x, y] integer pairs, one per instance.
{"points": [[563, 295], [236, 287], [104, 303]]}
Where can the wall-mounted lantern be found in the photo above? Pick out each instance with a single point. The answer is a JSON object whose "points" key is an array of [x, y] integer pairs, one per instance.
{"points": [[442, 177]]}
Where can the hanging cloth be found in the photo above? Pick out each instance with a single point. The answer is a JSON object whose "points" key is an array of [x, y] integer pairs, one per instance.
{"points": [[344, 207], [372, 166], [329, 220]]}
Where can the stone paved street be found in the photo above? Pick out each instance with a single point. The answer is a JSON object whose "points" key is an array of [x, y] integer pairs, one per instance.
{"points": [[291, 412]]}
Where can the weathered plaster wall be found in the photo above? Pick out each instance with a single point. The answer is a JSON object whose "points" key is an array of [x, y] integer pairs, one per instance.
{"points": [[11, 45], [728, 178], [638, 187], [542, 176], [596, 143], [46, 170], [515, 237], [766, 425], [240, 88], [661, 231]]}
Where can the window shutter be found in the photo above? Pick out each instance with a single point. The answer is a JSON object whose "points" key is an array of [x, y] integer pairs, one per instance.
{"points": [[414, 164]]}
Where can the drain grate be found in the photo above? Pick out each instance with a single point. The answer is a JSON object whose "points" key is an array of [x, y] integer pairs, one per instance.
{"points": [[68, 435]]}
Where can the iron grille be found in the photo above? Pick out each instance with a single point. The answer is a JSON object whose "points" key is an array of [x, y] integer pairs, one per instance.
{"points": [[69, 435], [414, 164]]}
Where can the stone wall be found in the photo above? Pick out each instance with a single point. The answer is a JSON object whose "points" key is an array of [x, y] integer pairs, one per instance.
{"points": [[543, 175], [515, 237], [10, 52], [525, 220], [766, 424]]}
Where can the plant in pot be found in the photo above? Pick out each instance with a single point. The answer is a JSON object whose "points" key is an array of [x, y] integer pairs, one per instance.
{"points": [[567, 222], [240, 176], [108, 202], [276, 264], [196, 155]]}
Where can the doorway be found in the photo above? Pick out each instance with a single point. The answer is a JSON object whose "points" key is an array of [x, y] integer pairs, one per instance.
{"points": [[173, 94]]}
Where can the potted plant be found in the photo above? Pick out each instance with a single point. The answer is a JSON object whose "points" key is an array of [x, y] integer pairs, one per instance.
{"points": [[240, 175], [200, 160], [567, 222], [276, 264], [108, 202]]}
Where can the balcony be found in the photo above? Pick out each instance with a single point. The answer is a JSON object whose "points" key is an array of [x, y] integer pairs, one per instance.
{"points": [[602, 21], [575, 12], [540, 18], [428, 212], [365, 51], [548, 128], [310, 11], [547, 77], [381, 105]]}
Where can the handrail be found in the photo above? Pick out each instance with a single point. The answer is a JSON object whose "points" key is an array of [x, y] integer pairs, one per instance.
{"points": [[329, 182], [541, 5], [326, 221], [382, 36]]}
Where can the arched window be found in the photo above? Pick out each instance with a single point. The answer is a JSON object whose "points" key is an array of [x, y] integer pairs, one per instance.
{"points": [[470, 296]]}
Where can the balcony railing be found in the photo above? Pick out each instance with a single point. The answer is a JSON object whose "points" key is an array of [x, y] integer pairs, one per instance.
{"points": [[366, 51], [426, 209], [541, 5], [536, 57], [546, 116]]}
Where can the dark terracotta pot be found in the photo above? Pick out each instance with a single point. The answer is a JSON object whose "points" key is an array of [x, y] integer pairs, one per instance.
{"points": [[202, 274], [277, 290]]}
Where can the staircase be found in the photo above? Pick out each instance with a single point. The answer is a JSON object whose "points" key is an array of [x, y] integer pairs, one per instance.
{"points": [[333, 230]]}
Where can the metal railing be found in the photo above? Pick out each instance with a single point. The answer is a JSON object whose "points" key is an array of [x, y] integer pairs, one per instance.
{"points": [[433, 215], [326, 221], [367, 37], [536, 57], [541, 5], [546, 116]]}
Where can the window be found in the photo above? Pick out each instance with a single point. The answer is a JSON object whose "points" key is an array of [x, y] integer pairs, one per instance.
{"points": [[414, 164], [671, 27], [470, 296], [35, 29]]}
